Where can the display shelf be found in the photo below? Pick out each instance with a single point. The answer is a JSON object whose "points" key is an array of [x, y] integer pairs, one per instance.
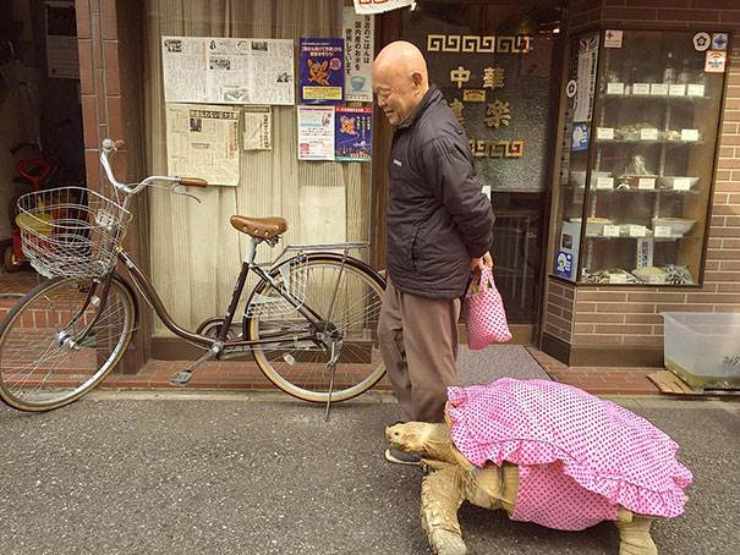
{"points": [[641, 150]]}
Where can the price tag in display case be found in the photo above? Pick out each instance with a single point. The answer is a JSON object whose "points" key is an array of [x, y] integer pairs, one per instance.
{"points": [[695, 90], [615, 88], [662, 231], [649, 134], [637, 231], [659, 89], [605, 133], [605, 183], [677, 90], [646, 184], [689, 135], [681, 184], [617, 279], [641, 88], [611, 230]]}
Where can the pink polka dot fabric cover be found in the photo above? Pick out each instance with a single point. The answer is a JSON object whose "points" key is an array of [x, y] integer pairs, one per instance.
{"points": [[579, 457]]}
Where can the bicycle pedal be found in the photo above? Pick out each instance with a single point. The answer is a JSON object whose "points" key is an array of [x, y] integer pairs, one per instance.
{"points": [[182, 377]]}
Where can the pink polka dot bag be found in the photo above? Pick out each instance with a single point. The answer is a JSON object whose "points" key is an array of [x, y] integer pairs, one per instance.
{"points": [[485, 316]]}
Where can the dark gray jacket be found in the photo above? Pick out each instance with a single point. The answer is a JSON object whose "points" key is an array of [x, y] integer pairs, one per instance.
{"points": [[437, 217]]}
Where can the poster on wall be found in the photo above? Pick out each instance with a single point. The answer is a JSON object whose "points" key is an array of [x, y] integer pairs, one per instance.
{"points": [[380, 6], [62, 59], [228, 70], [316, 132], [203, 141], [588, 50], [359, 46], [257, 128], [321, 70], [353, 134]]}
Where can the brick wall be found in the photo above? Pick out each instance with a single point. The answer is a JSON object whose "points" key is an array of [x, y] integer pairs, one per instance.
{"points": [[109, 44], [625, 320]]}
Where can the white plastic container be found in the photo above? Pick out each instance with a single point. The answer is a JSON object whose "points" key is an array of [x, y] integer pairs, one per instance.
{"points": [[703, 348]]}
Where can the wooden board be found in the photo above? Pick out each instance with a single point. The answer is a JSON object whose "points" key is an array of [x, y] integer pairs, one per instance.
{"points": [[667, 382]]}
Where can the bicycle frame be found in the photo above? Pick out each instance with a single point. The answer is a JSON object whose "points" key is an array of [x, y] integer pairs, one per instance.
{"points": [[147, 290]]}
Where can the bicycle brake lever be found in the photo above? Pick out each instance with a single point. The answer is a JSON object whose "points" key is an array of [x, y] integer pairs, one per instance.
{"points": [[180, 190]]}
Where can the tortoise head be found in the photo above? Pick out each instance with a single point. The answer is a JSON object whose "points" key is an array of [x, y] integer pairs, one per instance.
{"points": [[420, 438]]}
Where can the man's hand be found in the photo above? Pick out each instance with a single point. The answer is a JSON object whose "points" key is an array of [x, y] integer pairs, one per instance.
{"points": [[485, 261]]}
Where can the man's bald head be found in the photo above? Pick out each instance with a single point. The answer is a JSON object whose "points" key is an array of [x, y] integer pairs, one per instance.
{"points": [[400, 80]]}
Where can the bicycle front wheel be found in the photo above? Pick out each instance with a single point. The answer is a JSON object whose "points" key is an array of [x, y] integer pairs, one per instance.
{"points": [[345, 293], [61, 340]]}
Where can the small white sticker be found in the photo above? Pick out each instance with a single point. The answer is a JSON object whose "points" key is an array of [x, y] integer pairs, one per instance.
{"points": [[715, 61], [487, 191], [646, 183], [689, 135], [719, 41], [615, 88], [571, 88], [659, 89], [603, 183], [637, 231], [681, 184], [649, 134], [613, 39], [677, 90], [702, 41], [611, 230], [662, 231], [641, 88], [605, 133], [695, 90]]}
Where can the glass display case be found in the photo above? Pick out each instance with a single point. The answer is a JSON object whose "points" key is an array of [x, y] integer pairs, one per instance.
{"points": [[642, 120]]}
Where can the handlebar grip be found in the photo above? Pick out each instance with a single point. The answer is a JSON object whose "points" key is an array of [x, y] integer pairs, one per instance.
{"points": [[193, 182]]}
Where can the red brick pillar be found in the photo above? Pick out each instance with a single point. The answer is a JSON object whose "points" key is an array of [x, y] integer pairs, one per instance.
{"points": [[109, 39]]}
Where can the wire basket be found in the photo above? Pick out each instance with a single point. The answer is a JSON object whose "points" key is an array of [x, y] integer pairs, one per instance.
{"points": [[71, 231], [292, 279]]}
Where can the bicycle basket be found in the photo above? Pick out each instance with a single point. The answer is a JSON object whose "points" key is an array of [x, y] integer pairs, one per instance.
{"points": [[71, 231], [292, 277]]}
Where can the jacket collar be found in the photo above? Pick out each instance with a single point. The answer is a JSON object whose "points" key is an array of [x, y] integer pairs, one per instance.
{"points": [[432, 96]]}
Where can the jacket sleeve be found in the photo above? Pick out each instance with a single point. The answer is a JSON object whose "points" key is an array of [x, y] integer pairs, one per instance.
{"points": [[449, 171]]}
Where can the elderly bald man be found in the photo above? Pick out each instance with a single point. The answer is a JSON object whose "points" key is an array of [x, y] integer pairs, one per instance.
{"points": [[439, 228]]}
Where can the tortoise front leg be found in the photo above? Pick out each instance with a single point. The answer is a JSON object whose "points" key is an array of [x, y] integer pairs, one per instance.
{"points": [[441, 497], [635, 537]]}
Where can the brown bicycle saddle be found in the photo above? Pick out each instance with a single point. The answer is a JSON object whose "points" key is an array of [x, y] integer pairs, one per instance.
{"points": [[261, 228]]}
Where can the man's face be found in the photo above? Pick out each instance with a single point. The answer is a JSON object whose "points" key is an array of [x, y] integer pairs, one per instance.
{"points": [[396, 95]]}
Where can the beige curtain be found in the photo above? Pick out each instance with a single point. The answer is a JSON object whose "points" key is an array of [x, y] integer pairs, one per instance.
{"points": [[195, 253]]}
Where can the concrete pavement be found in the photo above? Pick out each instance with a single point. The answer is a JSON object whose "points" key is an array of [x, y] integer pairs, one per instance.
{"points": [[257, 473]]}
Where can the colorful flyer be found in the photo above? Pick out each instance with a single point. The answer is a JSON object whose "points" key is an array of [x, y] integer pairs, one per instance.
{"points": [[715, 61], [354, 134], [321, 65], [316, 132]]}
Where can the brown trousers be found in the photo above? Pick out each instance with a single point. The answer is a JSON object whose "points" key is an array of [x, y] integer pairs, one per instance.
{"points": [[418, 341]]}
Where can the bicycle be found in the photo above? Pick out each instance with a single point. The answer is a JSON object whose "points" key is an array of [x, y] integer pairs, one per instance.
{"points": [[309, 323]]}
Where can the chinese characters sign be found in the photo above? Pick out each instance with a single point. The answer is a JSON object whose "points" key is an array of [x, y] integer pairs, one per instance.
{"points": [[359, 44]]}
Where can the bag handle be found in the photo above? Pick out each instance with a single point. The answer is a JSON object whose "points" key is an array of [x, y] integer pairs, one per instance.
{"points": [[485, 281]]}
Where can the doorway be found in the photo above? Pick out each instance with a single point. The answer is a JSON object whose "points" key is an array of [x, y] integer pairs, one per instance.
{"points": [[495, 66], [41, 137]]}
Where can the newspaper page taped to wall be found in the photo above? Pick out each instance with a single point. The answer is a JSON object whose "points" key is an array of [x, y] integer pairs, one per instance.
{"points": [[380, 6], [228, 70], [257, 128], [203, 141]]}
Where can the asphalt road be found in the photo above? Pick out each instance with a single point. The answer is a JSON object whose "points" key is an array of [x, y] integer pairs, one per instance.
{"points": [[259, 473]]}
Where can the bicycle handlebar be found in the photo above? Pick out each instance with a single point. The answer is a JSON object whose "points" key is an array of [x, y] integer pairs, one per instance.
{"points": [[109, 146]]}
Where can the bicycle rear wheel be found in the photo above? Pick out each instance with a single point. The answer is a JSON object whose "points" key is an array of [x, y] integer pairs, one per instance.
{"points": [[346, 293], [61, 340]]}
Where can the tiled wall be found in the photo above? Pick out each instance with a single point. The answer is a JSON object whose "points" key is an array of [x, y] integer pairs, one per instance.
{"points": [[620, 319]]}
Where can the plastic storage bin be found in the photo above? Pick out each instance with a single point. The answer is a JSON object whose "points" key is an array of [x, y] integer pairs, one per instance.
{"points": [[703, 349]]}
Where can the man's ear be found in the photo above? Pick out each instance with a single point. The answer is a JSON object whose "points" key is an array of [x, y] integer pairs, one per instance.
{"points": [[417, 78]]}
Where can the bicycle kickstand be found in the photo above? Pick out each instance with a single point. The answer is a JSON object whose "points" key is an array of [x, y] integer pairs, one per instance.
{"points": [[333, 369], [183, 376]]}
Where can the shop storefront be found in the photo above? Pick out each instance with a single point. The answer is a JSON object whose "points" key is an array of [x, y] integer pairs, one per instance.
{"points": [[605, 140]]}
